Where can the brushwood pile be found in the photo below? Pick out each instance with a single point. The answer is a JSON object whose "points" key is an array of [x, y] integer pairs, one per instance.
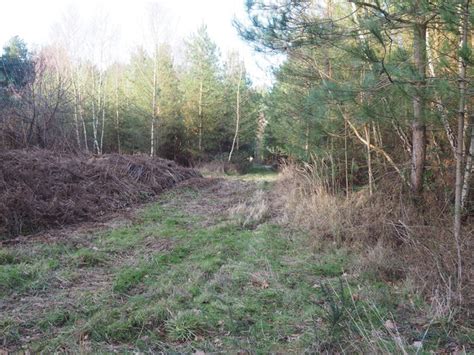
{"points": [[41, 189]]}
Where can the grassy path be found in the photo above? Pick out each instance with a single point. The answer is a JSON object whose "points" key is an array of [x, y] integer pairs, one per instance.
{"points": [[204, 269]]}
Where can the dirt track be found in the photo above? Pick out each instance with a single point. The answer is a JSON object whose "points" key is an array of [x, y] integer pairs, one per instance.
{"points": [[206, 201]]}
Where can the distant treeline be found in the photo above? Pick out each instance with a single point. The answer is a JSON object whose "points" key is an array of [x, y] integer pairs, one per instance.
{"points": [[196, 111]]}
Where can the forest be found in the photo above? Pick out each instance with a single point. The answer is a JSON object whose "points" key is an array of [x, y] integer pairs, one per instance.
{"points": [[171, 203]]}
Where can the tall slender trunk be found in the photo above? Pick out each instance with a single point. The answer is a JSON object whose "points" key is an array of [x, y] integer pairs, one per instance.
{"points": [[117, 117], [469, 169], [418, 123], [333, 166], [94, 117], [440, 106], [153, 107], [103, 121], [369, 160], [306, 140], [94, 129], [460, 141], [83, 121], [261, 123], [80, 111], [76, 115], [76, 121], [237, 113], [200, 116], [97, 114], [346, 163], [377, 141], [28, 137]]}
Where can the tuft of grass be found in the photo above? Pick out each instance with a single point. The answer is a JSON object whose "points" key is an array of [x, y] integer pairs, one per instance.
{"points": [[111, 325], [121, 239], [252, 212], [185, 325], [9, 331], [56, 318], [332, 263], [174, 257], [19, 278], [128, 278], [88, 258], [150, 316], [8, 257]]}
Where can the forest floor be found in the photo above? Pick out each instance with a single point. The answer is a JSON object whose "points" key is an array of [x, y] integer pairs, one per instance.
{"points": [[205, 268]]}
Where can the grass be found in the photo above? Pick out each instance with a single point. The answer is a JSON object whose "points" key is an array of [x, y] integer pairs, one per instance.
{"points": [[260, 173], [256, 173], [165, 283]]}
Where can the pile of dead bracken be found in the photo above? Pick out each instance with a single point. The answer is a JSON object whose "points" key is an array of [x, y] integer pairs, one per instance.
{"points": [[41, 189]]}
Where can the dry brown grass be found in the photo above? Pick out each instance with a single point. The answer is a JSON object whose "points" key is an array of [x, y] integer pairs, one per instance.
{"points": [[251, 212], [396, 238], [212, 168]]}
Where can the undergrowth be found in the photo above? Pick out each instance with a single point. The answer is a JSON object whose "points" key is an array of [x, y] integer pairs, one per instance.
{"points": [[395, 241]]}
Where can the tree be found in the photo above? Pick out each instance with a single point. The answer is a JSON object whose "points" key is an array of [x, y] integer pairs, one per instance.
{"points": [[17, 67], [16, 77], [202, 88], [464, 52], [172, 141]]}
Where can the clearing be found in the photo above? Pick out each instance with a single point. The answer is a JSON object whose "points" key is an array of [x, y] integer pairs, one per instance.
{"points": [[205, 268]]}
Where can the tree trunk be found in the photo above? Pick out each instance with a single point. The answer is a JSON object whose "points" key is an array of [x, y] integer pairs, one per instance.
{"points": [[102, 132], [440, 106], [84, 128], [95, 121], [418, 123], [469, 169], [460, 141], [261, 123], [80, 111], [346, 162], [117, 117], [99, 108], [94, 129], [237, 114], [76, 124], [153, 107], [369, 160], [333, 166], [200, 117]]}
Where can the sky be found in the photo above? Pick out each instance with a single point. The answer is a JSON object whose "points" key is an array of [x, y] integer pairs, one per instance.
{"points": [[128, 22]]}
